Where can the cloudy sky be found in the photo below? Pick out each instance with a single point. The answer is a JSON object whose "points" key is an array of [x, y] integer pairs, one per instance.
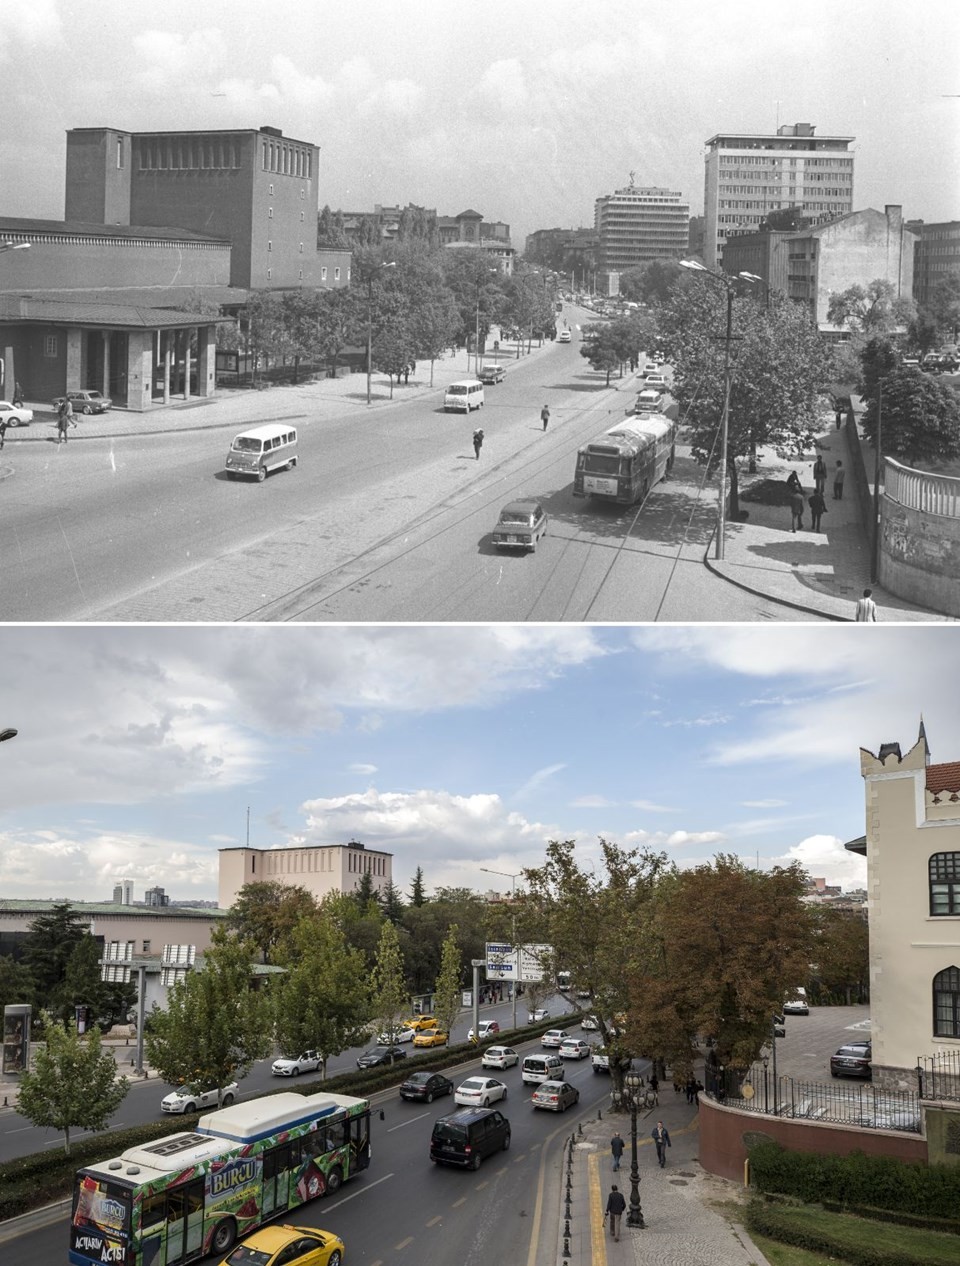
{"points": [[140, 750], [524, 112]]}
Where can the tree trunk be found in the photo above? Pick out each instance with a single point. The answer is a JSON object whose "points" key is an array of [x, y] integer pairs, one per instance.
{"points": [[66, 1140]]}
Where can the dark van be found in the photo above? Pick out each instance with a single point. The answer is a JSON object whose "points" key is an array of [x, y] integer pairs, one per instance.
{"points": [[468, 1136]]}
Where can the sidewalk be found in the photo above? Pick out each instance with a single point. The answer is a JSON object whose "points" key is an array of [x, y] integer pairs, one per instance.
{"points": [[682, 1228], [822, 573]]}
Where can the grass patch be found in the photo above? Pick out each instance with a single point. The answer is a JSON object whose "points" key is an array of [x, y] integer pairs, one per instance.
{"points": [[852, 1239], [778, 1254]]}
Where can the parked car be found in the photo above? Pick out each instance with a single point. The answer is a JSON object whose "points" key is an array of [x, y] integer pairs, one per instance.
{"points": [[186, 1099], [499, 1057], [378, 1055], [479, 1092], [308, 1062], [521, 525], [426, 1086], [14, 415], [430, 1037], [85, 401], [574, 1048], [796, 1006], [278, 1244], [852, 1060], [557, 1096], [486, 1028], [601, 1060], [492, 374], [554, 1037]]}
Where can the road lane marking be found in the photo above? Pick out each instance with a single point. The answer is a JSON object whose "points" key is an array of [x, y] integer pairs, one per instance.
{"points": [[409, 1121], [403, 1243], [433, 1221], [360, 1191], [457, 1203]]}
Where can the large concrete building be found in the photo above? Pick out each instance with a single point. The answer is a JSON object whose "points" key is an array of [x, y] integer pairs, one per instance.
{"points": [[937, 256], [636, 225], [912, 847], [748, 175], [319, 868], [820, 261], [255, 188]]}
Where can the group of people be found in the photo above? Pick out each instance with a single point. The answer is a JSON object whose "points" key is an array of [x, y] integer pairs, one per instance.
{"points": [[816, 501], [616, 1203]]}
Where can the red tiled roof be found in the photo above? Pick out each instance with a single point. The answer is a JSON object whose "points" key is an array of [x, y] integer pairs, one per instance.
{"points": [[944, 777]]}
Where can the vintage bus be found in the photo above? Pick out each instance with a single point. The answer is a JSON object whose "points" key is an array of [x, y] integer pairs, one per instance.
{"points": [[627, 460], [178, 1198]]}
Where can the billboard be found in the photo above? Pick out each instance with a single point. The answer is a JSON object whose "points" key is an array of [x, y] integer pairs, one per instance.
{"points": [[526, 963]]}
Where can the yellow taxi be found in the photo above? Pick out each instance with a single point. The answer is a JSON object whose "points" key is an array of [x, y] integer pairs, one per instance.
{"points": [[430, 1037], [289, 1245], [420, 1022]]}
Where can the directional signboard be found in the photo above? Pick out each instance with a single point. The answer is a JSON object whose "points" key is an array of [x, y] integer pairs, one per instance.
{"points": [[526, 963]]}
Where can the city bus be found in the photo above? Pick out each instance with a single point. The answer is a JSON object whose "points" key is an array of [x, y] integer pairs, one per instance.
{"points": [[624, 463], [178, 1198]]}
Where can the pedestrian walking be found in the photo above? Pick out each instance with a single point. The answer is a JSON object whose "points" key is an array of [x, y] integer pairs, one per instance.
{"points": [[653, 1089], [3, 430], [17, 395], [478, 441], [819, 473], [614, 1211], [662, 1141], [64, 419], [545, 415], [839, 416], [838, 477], [818, 508], [616, 1150], [866, 609], [691, 1088], [796, 510]]}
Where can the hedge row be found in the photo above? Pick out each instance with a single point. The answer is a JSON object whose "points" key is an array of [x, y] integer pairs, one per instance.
{"points": [[843, 1237], [857, 1181], [897, 1217]]}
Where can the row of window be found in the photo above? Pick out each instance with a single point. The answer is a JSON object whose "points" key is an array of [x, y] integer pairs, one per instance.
{"points": [[366, 863], [287, 160], [185, 153], [748, 160]]}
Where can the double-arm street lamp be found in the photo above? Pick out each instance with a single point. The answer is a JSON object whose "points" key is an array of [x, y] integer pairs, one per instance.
{"points": [[633, 1093], [370, 276], [14, 246], [509, 874], [728, 281]]}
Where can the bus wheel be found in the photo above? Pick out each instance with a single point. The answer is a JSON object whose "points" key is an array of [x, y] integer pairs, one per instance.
{"points": [[224, 1236], [334, 1180]]}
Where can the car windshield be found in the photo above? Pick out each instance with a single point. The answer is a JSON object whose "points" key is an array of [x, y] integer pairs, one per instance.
{"points": [[418, 1079], [457, 391], [245, 1255], [246, 444]]}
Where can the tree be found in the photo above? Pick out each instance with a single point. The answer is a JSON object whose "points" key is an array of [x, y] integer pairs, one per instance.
{"points": [[391, 902], [323, 1001], [447, 991], [417, 896], [601, 349], [919, 418], [265, 911], [217, 1024], [874, 309], [330, 233], [777, 367], [729, 944], [945, 303], [73, 1083], [337, 324], [842, 967], [83, 986], [877, 359], [16, 982], [390, 997], [52, 938]]}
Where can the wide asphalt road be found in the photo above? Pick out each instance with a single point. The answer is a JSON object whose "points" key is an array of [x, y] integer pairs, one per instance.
{"points": [[387, 517]]}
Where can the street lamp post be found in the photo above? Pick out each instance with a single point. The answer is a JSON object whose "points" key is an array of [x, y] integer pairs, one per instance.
{"points": [[14, 246], [728, 282], [370, 278], [877, 467], [509, 874], [632, 1085], [476, 345], [7, 734]]}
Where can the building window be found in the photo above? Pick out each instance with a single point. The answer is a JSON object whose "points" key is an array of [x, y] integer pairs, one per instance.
{"points": [[946, 1003], [146, 947], [50, 345], [119, 153], [269, 246], [323, 273], [269, 273], [301, 248], [271, 191], [270, 213], [945, 883], [336, 274]]}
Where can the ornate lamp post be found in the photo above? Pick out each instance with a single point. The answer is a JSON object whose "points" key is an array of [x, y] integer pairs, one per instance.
{"points": [[633, 1094]]}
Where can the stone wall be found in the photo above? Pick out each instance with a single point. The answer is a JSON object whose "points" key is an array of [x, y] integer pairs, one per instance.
{"points": [[920, 538]]}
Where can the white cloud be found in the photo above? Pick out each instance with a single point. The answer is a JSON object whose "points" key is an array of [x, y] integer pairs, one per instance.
{"points": [[362, 769], [33, 23], [652, 807], [673, 839], [763, 804], [503, 84], [592, 802], [166, 58], [537, 780], [825, 856]]}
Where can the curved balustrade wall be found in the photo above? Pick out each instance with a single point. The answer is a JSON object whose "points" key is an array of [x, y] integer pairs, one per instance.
{"points": [[920, 537]]}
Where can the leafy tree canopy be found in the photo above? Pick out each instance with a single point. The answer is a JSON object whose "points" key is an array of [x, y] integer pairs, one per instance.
{"points": [[918, 416], [449, 983], [875, 308], [265, 911], [390, 997], [53, 936]]}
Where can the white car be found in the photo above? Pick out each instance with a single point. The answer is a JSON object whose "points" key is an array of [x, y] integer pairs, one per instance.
{"points": [[796, 1006], [487, 1028], [564, 336], [293, 1066], [14, 415], [499, 1057], [479, 1092], [187, 1100], [574, 1048], [537, 1014], [554, 1037], [589, 1022], [401, 1035]]}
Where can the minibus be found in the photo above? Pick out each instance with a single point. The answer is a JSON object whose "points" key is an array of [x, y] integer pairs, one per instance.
{"points": [[262, 449]]}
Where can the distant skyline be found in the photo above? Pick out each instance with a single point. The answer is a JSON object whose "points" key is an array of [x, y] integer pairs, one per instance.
{"points": [[525, 113], [456, 749]]}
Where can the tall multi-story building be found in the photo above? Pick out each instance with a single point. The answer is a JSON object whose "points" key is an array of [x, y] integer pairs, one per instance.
{"points": [[936, 256], [254, 187], [749, 175], [320, 868], [636, 225]]}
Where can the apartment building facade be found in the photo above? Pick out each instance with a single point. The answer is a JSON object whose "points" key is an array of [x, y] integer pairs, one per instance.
{"points": [[636, 225], [937, 256], [748, 175]]}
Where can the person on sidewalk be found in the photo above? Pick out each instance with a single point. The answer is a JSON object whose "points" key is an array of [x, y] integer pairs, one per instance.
{"points": [[478, 441], [793, 482], [17, 395], [3, 430], [819, 473], [64, 419], [796, 510], [866, 609], [818, 508], [838, 477], [839, 416], [661, 1140], [616, 1150], [545, 415], [615, 1207]]}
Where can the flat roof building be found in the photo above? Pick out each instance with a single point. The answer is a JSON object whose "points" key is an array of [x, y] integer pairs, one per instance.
{"points": [[636, 225], [319, 868], [748, 175], [937, 255]]}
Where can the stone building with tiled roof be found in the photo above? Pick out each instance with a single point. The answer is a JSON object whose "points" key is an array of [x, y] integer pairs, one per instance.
{"points": [[912, 847]]}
